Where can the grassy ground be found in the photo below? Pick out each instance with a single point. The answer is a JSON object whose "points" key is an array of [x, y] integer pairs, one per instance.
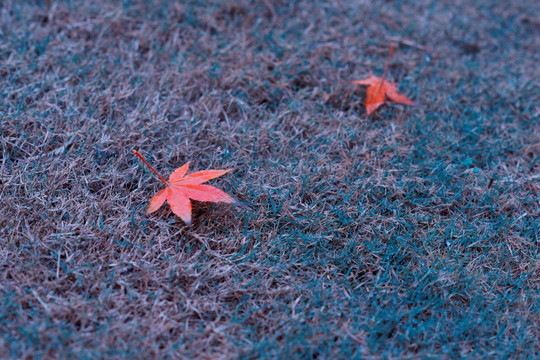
{"points": [[414, 233]]}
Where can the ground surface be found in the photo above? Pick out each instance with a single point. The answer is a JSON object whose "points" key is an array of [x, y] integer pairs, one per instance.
{"points": [[413, 233]]}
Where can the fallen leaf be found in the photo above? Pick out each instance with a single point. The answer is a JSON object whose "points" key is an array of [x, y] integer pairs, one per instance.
{"points": [[182, 188], [379, 88]]}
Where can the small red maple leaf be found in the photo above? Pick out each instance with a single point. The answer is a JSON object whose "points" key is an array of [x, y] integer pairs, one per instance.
{"points": [[181, 188], [379, 88]]}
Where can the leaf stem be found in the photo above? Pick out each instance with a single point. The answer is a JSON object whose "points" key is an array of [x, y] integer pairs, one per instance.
{"points": [[385, 70], [150, 166]]}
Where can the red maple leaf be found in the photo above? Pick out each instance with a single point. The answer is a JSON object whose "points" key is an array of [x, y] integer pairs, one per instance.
{"points": [[379, 88], [182, 188]]}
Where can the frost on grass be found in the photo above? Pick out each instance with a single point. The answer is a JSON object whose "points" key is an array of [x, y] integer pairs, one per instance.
{"points": [[414, 232]]}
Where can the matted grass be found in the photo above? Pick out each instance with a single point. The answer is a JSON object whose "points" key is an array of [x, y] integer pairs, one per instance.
{"points": [[410, 234]]}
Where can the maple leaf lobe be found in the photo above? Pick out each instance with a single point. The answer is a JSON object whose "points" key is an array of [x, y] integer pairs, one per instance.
{"points": [[179, 173], [158, 200], [180, 205]]}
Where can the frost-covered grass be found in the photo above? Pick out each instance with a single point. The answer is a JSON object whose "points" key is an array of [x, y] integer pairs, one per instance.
{"points": [[410, 234]]}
